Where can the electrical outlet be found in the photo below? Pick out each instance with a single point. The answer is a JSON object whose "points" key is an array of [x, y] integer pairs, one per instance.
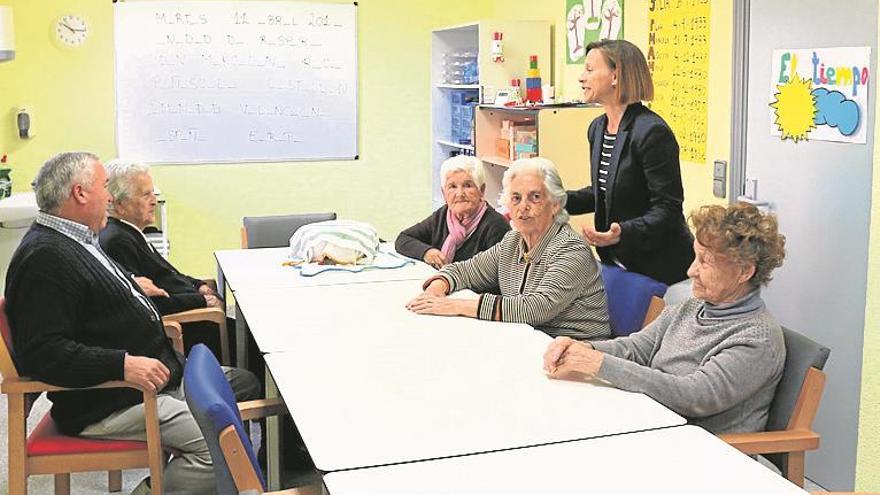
{"points": [[718, 188]]}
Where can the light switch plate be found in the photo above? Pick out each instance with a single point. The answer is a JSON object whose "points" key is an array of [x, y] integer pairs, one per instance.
{"points": [[719, 179], [720, 172]]}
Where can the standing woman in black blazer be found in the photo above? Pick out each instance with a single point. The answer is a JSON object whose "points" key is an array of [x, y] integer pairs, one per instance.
{"points": [[636, 192]]}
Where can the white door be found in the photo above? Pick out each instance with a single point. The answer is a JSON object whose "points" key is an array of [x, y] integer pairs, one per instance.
{"points": [[821, 192]]}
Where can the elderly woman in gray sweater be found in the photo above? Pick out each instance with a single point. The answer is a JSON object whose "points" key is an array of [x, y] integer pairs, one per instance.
{"points": [[541, 273], [716, 358]]}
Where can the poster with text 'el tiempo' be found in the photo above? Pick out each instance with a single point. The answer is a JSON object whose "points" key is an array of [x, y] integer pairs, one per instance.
{"points": [[820, 93]]}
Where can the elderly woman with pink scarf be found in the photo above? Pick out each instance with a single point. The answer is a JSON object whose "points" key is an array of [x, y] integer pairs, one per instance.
{"points": [[465, 226]]}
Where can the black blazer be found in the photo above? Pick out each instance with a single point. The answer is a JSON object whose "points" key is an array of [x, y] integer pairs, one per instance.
{"points": [[644, 196], [127, 246]]}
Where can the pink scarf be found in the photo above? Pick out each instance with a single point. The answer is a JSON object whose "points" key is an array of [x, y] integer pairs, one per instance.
{"points": [[460, 231]]}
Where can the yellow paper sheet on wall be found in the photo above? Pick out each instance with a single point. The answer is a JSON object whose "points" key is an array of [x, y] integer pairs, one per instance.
{"points": [[678, 56]]}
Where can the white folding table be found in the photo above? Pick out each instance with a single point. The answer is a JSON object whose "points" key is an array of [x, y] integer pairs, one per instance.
{"points": [[683, 460], [265, 269], [382, 385], [290, 318]]}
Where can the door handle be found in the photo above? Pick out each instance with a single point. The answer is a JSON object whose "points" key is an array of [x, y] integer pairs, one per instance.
{"points": [[750, 196]]}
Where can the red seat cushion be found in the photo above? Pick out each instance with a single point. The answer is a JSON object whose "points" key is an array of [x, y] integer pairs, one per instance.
{"points": [[47, 440]]}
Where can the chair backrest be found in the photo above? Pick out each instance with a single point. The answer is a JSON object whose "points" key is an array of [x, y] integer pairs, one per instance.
{"points": [[629, 296], [212, 403], [7, 365], [800, 389], [801, 354], [275, 231]]}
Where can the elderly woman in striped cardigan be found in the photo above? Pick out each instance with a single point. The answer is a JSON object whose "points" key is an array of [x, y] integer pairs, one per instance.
{"points": [[541, 273]]}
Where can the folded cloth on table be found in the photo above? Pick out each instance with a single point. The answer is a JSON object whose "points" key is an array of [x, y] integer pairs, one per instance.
{"points": [[335, 242]]}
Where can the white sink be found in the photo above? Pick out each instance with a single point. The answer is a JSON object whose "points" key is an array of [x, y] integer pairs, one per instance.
{"points": [[18, 207]]}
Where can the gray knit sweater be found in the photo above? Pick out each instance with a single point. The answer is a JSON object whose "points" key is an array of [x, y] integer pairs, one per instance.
{"points": [[556, 289], [717, 366]]}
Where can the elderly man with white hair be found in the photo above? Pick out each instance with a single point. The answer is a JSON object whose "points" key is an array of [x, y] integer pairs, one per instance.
{"points": [[132, 210], [542, 273], [78, 320], [463, 227]]}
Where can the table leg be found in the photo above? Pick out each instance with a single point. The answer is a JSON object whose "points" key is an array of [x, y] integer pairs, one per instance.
{"points": [[273, 439], [241, 339], [221, 282]]}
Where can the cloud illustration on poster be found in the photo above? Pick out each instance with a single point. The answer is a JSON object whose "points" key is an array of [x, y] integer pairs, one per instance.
{"points": [[835, 110]]}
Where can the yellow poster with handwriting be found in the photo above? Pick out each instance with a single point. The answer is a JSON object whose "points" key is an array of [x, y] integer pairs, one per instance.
{"points": [[678, 57]]}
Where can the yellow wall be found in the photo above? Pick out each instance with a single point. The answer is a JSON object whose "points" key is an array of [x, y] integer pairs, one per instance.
{"points": [[71, 97], [697, 177], [868, 459]]}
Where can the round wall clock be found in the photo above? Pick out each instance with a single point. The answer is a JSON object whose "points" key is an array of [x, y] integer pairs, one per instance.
{"points": [[71, 30]]}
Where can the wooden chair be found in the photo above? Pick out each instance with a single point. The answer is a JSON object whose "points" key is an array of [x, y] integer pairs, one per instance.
{"points": [[275, 231], [220, 418], [47, 451], [789, 426], [213, 315], [655, 307]]}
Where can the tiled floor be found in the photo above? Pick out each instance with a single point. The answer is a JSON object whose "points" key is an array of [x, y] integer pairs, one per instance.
{"points": [[96, 483]]}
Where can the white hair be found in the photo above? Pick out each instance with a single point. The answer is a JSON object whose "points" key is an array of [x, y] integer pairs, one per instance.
{"points": [[59, 174], [463, 163], [545, 169], [120, 178]]}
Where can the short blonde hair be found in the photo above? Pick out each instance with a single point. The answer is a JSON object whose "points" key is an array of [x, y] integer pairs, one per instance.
{"points": [[546, 170], [743, 234], [462, 163], [633, 76]]}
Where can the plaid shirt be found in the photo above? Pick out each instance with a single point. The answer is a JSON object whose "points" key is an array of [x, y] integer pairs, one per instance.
{"points": [[89, 240], [76, 231]]}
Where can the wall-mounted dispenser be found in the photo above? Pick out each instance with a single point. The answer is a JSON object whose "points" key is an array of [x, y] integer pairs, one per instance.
{"points": [[23, 124], [7, 34]]}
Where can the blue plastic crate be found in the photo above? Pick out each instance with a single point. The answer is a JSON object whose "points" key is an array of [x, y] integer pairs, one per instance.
{"points": [[467, 112], [456, 135], [471, 72]]}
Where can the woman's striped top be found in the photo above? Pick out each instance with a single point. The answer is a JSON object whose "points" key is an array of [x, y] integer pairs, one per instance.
{"points": [[605, 160], [555, 287]]}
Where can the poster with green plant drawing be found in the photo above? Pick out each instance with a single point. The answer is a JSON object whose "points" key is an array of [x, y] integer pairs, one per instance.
{"points": [[590, 20]]}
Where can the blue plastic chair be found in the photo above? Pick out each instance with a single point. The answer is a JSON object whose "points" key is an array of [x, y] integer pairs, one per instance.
{"points": [[630, 296], [212, 403]]}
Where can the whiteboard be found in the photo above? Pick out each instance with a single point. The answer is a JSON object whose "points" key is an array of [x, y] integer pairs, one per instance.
{"points": [[207, 82]]}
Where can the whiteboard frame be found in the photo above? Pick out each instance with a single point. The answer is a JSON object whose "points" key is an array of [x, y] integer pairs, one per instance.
{"points": [[357, 101]]}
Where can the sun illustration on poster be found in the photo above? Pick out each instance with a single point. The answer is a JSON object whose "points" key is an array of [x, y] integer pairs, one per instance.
{"points": [[795, 108]]}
